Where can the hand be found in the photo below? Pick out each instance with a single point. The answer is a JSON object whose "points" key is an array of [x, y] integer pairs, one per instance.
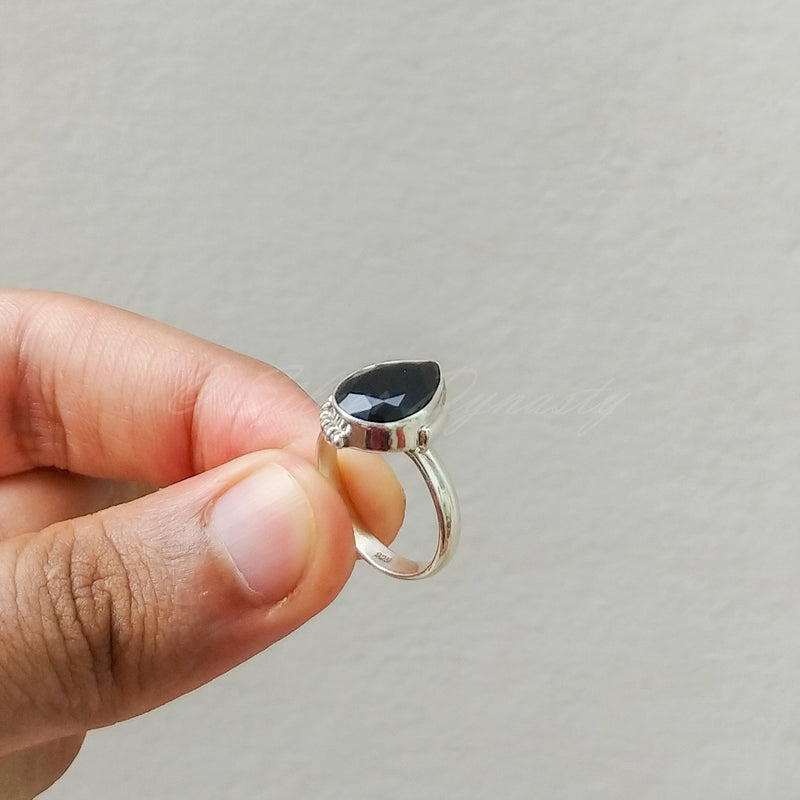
{"points": [[115, 597]]}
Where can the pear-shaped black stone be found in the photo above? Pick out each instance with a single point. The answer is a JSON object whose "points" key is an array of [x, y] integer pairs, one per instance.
{"points": [[388, 392]]}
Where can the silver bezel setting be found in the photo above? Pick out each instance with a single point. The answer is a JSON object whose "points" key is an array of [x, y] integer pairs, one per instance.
{"points": [[412, 433]]}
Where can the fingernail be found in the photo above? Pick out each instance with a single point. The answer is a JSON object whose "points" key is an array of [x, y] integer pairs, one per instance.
{"points": [[266, 523]]}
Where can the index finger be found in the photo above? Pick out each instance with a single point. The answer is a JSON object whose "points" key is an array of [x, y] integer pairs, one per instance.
{"points": [[101, 391]]}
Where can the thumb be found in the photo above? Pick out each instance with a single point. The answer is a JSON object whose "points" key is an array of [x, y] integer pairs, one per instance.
{"points": [[108, 615]]}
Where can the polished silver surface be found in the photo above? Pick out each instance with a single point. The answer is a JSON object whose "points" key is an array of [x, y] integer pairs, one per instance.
{"points": [[410, 433], [412, 436]]}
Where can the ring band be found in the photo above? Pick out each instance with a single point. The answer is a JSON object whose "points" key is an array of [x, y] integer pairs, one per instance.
{"points": [[394, 406]]}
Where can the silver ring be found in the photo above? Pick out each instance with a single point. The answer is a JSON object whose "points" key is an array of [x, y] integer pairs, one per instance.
{"points": [[394, 406]]}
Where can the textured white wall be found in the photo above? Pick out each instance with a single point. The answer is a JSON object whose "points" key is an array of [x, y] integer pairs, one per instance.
{"points": [[554, 198]]}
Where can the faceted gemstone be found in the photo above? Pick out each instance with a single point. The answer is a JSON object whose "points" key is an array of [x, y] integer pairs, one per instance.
{"points": [[389, 392]]}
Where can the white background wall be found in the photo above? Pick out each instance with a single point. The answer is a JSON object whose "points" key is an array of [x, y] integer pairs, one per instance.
{"points": [[553, 198]]}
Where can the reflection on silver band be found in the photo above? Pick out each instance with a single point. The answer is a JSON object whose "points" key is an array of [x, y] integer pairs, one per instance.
{"points": [[374, 551]]}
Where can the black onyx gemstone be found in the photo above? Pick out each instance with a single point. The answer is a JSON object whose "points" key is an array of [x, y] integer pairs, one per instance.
{"points": [[388, 392]]}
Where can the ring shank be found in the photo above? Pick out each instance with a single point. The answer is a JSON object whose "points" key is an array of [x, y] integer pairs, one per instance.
{"points": [[372, 549]]}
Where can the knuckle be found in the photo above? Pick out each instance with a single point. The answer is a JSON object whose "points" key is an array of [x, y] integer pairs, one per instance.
{"points": [[99, 610], [35, 418]]}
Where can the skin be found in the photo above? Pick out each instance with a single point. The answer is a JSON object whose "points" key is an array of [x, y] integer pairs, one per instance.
{"points": [[117, 434]]}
